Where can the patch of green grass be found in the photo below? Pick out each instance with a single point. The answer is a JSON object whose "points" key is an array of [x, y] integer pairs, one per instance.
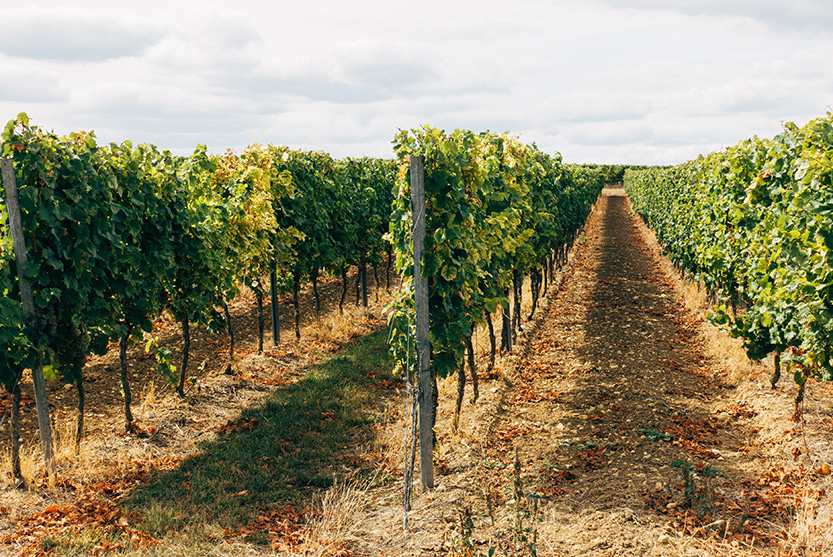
{"points": [[584, 445], [160, 519], [654, 433], [77, 545], [698, 491], [657, 402], [493, 464], [301, 433]]}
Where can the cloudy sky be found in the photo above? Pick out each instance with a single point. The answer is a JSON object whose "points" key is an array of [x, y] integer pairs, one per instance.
{"points": [[608, 81]]}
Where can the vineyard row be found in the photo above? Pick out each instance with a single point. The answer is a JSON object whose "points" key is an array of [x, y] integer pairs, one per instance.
{"points": [[754, 223], [117, 234], [495, 211]]}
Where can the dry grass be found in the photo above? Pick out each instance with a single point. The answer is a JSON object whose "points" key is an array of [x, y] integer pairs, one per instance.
{"points": [[30, 462], [719, 346], [335, 327], [339, 521], [63, 432], [810, 533], [31, 456], [812, 529], [149, 399], [388, 445], [96, 458], [192, 546]]}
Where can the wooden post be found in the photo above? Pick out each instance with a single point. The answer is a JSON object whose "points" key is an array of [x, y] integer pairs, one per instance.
{"points": [[28, 301], [506, 327], [423, 339], [364, 285], [273, 291], [363, 276]]}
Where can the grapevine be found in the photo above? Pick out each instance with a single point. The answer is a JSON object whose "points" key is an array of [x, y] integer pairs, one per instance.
{"points": [[754, 223]]}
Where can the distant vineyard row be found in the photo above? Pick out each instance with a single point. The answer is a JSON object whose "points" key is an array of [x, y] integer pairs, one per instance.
{"points": [[116, 234], [754, 222], [496, 211]]}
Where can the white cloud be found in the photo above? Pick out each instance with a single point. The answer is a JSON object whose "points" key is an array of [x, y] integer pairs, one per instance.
{"points": [[798, 15], [638, 81], [72, 34], [22, 83]]}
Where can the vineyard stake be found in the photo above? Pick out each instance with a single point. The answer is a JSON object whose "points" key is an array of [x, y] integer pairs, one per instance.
{"points": [[423, 346], [273, 292], [506, 324], [28, 302], [364, 278]]}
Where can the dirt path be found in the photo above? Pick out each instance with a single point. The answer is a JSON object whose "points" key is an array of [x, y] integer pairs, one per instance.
{"points": [[631, 440], [618, 348]]}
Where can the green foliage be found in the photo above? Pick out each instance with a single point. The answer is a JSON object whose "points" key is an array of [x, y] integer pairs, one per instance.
{"points": [[612, 173], [755, 223], [67, 210], [147, 201], [243, 190], [495, 208], [202, 271], [653, 432], [164, 361], [361, 220], [310, 210], [16, 351], [117, 234], [698, 493]]}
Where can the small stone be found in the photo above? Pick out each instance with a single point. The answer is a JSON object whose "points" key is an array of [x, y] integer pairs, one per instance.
{"points": [[663, 538]]}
